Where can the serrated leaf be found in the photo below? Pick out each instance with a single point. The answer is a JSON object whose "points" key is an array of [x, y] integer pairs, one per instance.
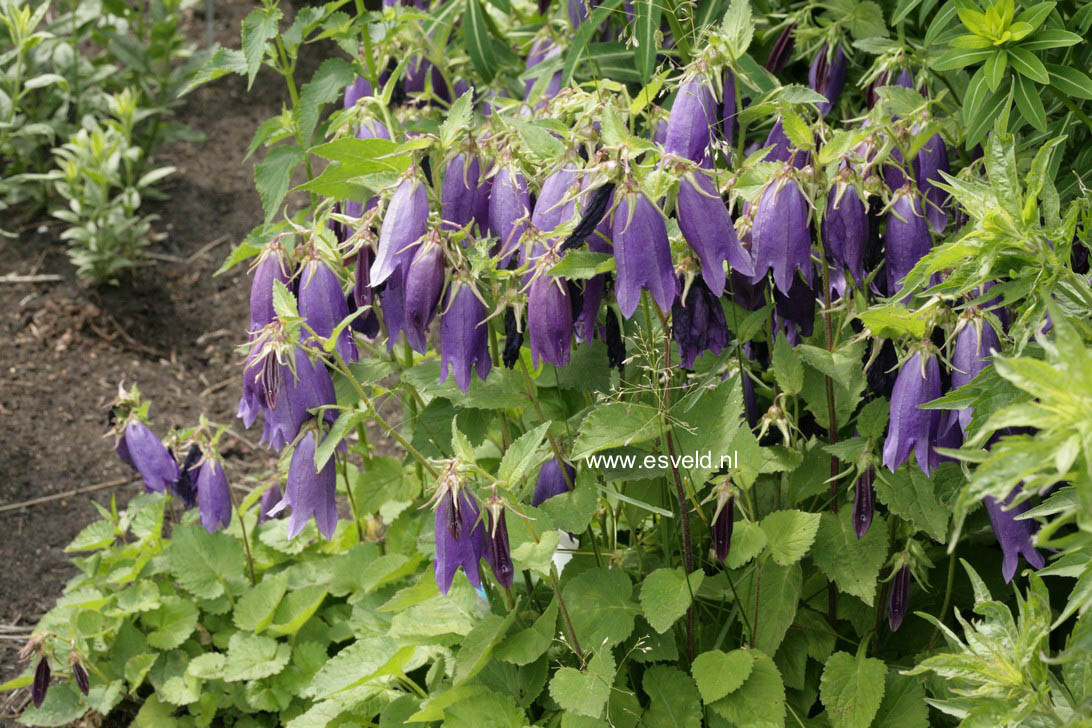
{"points": [[528, 645], [771, 602], [259, 27], [273, 175], [171, 624], [458, 118], [585, 693], [583, 264], [666, 594], [789, 534], [255, 609], [903, 703], [760, 701], [208, 666], [614, 425], [852, 564], [892, 321], [252, 657], [738, 27], [851, 689], [719, 673], [524, 453], [748, 540], [787, 368], [600, 606], [476, 648], [537, 557], [674, 698], [910, 494], [332, 76], [352, 666]]}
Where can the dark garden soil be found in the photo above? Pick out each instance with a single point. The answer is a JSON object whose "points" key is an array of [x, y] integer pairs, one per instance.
{"points": [[170, 327]]}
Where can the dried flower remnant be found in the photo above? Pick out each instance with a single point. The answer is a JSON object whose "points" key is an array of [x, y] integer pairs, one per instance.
{"points": [[698, 324]]}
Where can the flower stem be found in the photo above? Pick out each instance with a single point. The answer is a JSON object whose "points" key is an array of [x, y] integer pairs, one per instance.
{"points": [[246, 539], [344, 467]]}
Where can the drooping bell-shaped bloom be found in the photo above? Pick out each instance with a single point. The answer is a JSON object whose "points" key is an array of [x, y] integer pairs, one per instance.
{"points": [[898, 598], [556, 203], [142, 450], [270, 268], [905, 79], [1015, 536], [782, 49], [458, 196], [643, 255], [509, 211], [551, 481], [578, 12], [907, 238], [692, 119], [698, 324], [186, 486], [424, 284], [310, 492], [782, 238], [250, 405], [722, 528], [82, 679], [974, 343], [403, 226], [845, 230], [707, 226], [864, 503], [592, 300], [498, 554], [40, 684], [542, 50], [213, 496], [549, 321], [827, 75], [911, 428], [363, 295], [322, 304], [392, 302], [464, 337], [460, 540], [308, 389], [781, 149], [420, 69], [355, 91], [728, 111], [795, 312], [932, 160], [268, 503]]}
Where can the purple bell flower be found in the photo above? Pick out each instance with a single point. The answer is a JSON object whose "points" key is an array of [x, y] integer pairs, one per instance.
{"points": [[213, 496], [392, 301], [827, 76], [309, 389], [40, 684], [417, 71], [185, 487], [542, 50], [898, 598], [556, 203], [460, 540], [864, 503], [424, 284], [782, 238], [363, 295], [309, 492], [782, 49], [498, 554], [707, 227], [509, 211], [692, 118], [722, 529], [270, 268], [1015, 536], [458, 196], [594, 290], [906, 240], [932, 160], [845, 230], [268, 504], [974, 343], [728, 110], [795, 313], [464, 337], [357, 90], [781, 149], [403, 226], [481, 204], [698, 324], [551, 481], [643, 254], [912, 428], [322, 304], [142, 450], [549, 321]]}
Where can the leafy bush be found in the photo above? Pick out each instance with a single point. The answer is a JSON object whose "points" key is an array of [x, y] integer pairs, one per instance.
{"points": [[741, 496]]}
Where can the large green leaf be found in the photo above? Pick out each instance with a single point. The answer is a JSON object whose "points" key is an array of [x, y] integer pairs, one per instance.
{"points": [[851, 563], [851, 689]]}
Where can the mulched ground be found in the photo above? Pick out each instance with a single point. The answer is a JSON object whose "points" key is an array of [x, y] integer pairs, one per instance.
{"points": [[170, 327]]}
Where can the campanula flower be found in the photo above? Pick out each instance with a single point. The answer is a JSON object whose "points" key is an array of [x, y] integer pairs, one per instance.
{"points": [[556, 203], [795, 312], [392, 302], [907, 239], [974, 343], [911, 428], [403, 226], [781, 149], [643, 254], [549, 321], [723, 521], [322, 304], [542, 50], [213, 496], [363, 295], [140, 449], [424, 284], [268, 503], [845, 230], [931, 161], [782, 49], [782, 238], [360, 88], [698, 324], [270, 268], [693, 117], [309, 388], [864, 503], [1016, 537], [509, 211], [79, 674], [827, 75], [421, 71], [898, 598], [707, 226], [590, 303], [464, 336], [460, 539], [310, 492], [551, 481], [498, 554], [185, 486], [459, 193]]}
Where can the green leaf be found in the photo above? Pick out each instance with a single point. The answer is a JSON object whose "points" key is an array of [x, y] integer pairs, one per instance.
{"points": [[903, 703], [1051, 38], [352, 666], [719, 673], [748, 540], [523, 454], [583, 35], [537, 557], [851, 689], [854, 565], [666, 594], [645, 27], [96, 536], [296, 608], [528, 645], [583, 264], [987, 114], [220, 63], [252, 657], [63, 706], [259, 27], [789, 534], [255, 609], [675, 699], [478, 41], [910, 494], [707, 447], [273, 175], [171, 624], [787, 368], [538, 140], [458, 119], [738, 28], [203, 563], [760, 701], [366, 156], [958, 58], [600, 606], [1025, 63], [1070, 81], [327, 85], [892, 321], [476, 648], [207, 666], [773, 607], [585, 693], [614, 425]]}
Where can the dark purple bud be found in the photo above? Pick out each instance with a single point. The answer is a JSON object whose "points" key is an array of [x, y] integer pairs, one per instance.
{"points": [[513, 338], [424, 284], [722, 529], [79, 674], [309, 492], [1078, 258], [616, 345], [782, 49], [542, 50], [932, 160], [148, 456], [864, 503], [556, 203], [845, 230], [728, 109], [357, 90], [707, 226], [464, 337], [323, 306], [185, 486], [213, 496], [270, 268], [697, 324], [460, 540], [551, 481], [827, 76], [40, 685], [363, 295], [270, 498], [643, 255], [498, 554], [911, 428], [692, 118], [1016, 537], [509, 211], [898, 598], [871, 97], [796, 311], [907, 239], [584, 325], [549, 321], [975, 341], [782, 238], [404, 225], [459, 195]]}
